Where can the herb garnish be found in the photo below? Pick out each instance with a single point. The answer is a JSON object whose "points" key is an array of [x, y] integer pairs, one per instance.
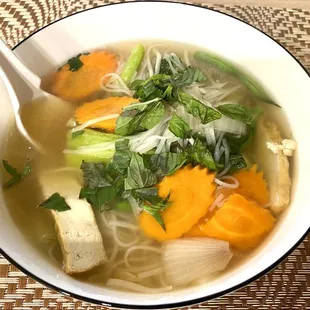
{"points": [[77, 133], [55, 202], [16, 176]]}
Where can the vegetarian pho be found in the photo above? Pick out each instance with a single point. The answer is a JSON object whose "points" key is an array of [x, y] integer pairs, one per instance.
{"points": [[166, 165]]}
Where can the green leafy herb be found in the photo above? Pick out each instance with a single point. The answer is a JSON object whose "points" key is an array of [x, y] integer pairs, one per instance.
{"points": [[237, 162], [165, 86], [138, 176], [198, 109], [55, 202], [199, 154], [99, 197], [165, 163], [77, 133], [139, 118], [240, 113], [121, 158], [154, 204], [16, 176], [165, 67], [95, 175], [179, 127], [75, 63]]}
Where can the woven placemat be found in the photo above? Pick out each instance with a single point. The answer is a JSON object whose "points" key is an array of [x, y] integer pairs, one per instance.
{"points": [[286, 287]]}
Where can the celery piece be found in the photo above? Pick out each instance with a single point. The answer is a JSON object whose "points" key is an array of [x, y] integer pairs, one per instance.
{"points": [[123, 206], [89, 137], [132, 64]]}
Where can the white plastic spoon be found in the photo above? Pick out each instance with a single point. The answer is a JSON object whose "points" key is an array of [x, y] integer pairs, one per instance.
{"points": [[32, 81]]}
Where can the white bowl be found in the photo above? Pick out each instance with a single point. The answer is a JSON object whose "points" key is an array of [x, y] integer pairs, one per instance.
{"points": [[280, 73]]}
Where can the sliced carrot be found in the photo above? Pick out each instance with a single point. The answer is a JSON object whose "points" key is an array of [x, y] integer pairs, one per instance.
{"points": [[103, 107], [191, 194], [239, 221], [79, 85]]}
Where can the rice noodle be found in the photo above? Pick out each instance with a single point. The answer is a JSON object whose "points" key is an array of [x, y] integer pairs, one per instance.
{"points": [[94, 121], [137, 287], [114, 84], [150, 273], [186, 58], [216, 202], [139, 247], [227, 185]]}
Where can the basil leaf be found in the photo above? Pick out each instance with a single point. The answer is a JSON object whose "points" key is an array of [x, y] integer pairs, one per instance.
{"points": [[240, 113], [139, 118], [75, 63], [237, 162], [165, 163], [55, 202], [77, 133], [16, 176], [187, 77], [98, 197], [199, 154], [179, 127], [95, 175], [198, 109], [155, 204], [138, 176], [121, 158]]}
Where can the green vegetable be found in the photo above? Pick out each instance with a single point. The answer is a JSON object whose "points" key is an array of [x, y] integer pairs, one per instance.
{"points": [[121, 158], [179, 127], [133, 63], [88, 137], [16, 176], [199, 154], [165, 86], [154, 204], [165, 163], [138, 176], [75, 63], [99, 197], [77, 133], [237, 162], [165, 68], [247, 115], [139, 118], [55, 202], [224, 65], [124, 206], [95, 175], [198, 109]]}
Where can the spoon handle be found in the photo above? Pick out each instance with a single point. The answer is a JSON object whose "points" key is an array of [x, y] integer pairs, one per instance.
{"points": [[32, 80]]}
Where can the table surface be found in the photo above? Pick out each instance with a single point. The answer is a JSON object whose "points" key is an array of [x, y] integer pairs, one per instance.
{"points": [[287, 287]]}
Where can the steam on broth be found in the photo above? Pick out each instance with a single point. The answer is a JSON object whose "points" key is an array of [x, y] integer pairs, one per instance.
{"points": [[166, 167]]}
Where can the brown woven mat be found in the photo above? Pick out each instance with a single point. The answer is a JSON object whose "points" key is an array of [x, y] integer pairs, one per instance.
{"points": [[286, 287]]}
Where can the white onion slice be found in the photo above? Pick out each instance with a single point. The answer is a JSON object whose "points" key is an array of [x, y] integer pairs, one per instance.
{"points": [[188, 259]]}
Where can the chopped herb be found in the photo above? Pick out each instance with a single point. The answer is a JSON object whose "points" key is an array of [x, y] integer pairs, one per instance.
{"points": [[165, 163], [199, 154], [77, 133], [237, 162], [16, 176], [247, 115], [179, 127], [197, 108], [95, 175], [139, 118], [138, 176], [121, 158], [154, 204], [55, 202], [75, 63]]}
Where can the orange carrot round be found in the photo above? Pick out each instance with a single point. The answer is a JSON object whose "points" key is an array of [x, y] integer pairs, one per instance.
{"points": [[80, 84], [191, 194]]}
